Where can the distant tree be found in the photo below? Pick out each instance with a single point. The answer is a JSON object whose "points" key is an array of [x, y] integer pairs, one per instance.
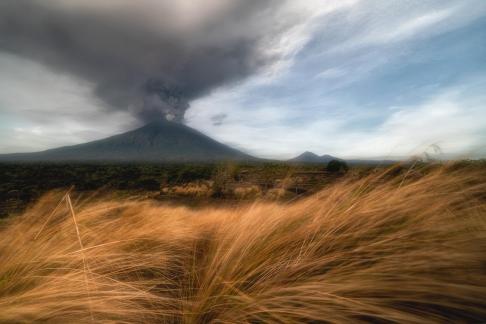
{"points": [[337, 166]]}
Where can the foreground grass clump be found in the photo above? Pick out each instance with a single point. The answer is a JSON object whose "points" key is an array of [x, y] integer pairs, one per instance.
{"points": [[387, 248]]}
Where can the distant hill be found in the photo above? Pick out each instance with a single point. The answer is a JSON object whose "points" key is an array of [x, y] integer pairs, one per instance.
{"points": [[309, 157], [161, 141]]}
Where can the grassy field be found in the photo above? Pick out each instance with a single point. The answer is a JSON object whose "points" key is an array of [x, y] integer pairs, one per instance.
{"points": [[398, 245]]}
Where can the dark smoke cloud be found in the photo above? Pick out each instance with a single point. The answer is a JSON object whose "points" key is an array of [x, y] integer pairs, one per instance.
{"points": [[149, 57]]}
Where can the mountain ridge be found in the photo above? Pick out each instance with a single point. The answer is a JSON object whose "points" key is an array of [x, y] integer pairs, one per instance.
{"points": [[161, 141]]}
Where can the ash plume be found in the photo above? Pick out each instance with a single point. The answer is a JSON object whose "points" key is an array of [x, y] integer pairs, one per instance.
{"points": [[147, 57]]}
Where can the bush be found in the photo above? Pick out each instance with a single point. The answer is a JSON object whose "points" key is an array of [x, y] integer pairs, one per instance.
{"points": [[337, 166]]}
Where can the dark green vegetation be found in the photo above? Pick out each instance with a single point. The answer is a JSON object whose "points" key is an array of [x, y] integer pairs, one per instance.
{"points": [[337, 166], [22, 183]]}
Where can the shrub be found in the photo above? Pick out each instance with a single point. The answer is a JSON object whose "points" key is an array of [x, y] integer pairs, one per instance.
{"points": [[337, 166]]}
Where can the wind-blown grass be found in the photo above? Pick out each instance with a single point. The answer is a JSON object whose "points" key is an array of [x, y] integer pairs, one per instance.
{"points": [[383, 249]]}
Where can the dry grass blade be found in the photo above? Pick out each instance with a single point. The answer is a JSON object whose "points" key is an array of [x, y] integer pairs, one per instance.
{"points": [[53, 212], [86, 269], [382, 249]]}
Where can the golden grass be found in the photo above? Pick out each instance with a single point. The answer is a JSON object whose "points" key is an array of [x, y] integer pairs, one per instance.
{"points": [[382, 249]]}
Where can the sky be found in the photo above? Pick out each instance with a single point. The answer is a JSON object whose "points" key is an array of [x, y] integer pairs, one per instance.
{"points": [[350, 78]]}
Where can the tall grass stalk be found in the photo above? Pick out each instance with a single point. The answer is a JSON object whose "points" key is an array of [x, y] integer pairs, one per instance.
{"points": [[378, 249]]}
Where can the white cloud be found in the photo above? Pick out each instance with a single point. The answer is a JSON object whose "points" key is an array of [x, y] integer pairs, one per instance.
{"points": [[379, 23], [41, 109], [331, 73], [305, 14], [374, 33], [453, 119], [415, 26]]}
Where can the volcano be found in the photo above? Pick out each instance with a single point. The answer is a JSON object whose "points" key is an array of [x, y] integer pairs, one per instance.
{"points": [[160, 141]]}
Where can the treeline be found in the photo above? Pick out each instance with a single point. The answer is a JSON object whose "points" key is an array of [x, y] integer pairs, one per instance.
{"points": [[21, 183]]}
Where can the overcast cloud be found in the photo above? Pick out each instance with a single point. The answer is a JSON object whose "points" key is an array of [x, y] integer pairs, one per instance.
{"points": [[274, 78]]}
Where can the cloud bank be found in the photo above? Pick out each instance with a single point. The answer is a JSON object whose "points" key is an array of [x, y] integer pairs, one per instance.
{"points": [[148, 57]]}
